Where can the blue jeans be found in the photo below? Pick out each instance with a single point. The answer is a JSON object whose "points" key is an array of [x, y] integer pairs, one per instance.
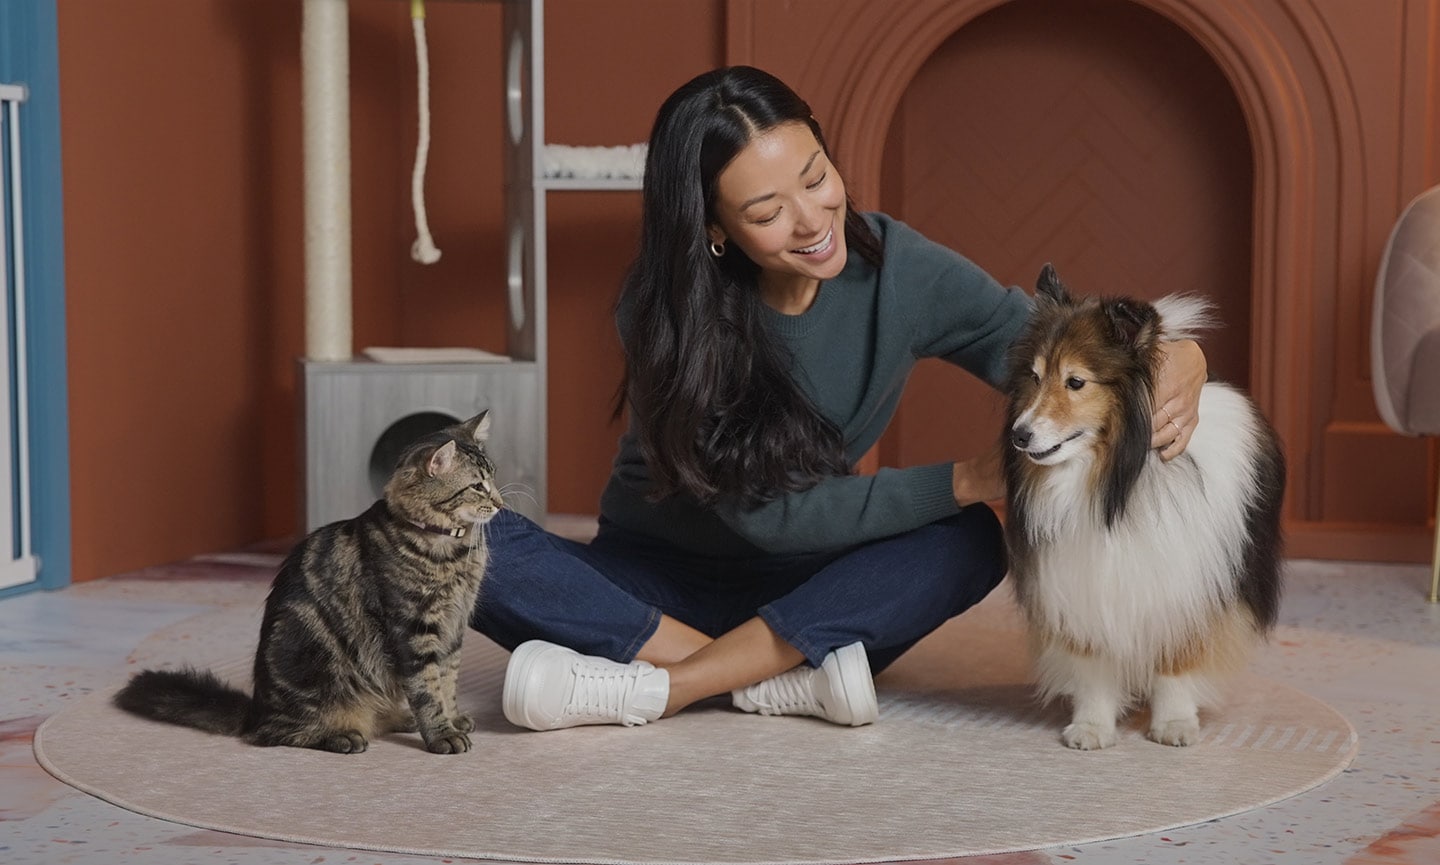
{"points": [[606, 597]]}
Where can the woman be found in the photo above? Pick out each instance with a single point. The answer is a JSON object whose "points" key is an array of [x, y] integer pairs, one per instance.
{"points": [[768, 330]]}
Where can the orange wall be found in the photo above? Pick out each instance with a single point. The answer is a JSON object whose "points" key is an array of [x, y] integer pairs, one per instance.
{"points": [[184, 253]]}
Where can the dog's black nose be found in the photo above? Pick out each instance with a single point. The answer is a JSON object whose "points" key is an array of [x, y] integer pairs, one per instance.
{"points": [[1020, 437]]}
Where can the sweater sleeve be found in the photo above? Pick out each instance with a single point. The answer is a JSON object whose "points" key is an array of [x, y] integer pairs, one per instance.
{"points": [[931, 302], [959, 312], [843, 511]]}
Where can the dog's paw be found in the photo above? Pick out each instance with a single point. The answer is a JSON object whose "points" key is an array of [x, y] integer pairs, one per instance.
{"points": [[1179, 732], [1085, 736]]}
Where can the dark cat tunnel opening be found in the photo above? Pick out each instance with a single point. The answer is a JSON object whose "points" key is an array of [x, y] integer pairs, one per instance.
{"points": [[396, 438]]}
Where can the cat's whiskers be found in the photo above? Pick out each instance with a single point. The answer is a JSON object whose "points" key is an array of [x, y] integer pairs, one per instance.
{"points": [[478, 541], [515, 488]]}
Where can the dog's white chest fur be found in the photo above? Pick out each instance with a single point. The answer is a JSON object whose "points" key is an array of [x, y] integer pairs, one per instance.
{"points": [[1139, 578], [1144, 584]]}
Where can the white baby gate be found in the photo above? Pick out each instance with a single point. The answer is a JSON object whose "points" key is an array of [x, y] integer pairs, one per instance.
{"points": [[17, 559]]}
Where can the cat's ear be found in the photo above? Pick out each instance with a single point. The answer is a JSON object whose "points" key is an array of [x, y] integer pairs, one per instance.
{"points": [[442, 461], [479, 426]]}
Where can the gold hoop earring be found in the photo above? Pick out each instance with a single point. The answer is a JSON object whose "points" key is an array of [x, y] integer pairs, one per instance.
{"points": [[717, 248]]}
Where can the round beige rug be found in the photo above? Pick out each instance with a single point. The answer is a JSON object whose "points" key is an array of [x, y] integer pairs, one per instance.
{"points": [[962, 762]]}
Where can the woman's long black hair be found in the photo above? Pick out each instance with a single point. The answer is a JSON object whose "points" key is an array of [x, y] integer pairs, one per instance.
{"points": [[715, 409]]}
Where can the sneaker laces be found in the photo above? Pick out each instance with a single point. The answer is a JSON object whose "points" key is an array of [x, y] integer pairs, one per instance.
{"points": [[604, 690], [789, 693]]}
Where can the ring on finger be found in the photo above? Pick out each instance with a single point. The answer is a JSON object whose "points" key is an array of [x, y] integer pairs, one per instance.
{"points": [[1178, 429]]}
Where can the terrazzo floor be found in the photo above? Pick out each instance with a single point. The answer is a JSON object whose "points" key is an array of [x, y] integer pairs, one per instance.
{"points": [[1360, 637]]}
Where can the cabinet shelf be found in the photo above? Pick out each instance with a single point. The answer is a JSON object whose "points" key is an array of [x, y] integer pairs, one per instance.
{"points": [[586, 184]]}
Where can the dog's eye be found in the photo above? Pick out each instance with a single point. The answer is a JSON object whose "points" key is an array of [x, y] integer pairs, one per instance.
{"points": [[1074, 382], [1034, 376]]}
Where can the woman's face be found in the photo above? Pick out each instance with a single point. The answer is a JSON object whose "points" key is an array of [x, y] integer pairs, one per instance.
{"points": [[783, 203]]}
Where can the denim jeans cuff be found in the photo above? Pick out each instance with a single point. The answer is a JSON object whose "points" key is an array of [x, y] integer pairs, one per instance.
{"points": [[646, 632], [770, 616]]}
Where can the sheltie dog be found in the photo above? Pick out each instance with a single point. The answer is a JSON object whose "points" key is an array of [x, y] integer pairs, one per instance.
{"points": [[1140, 580]]}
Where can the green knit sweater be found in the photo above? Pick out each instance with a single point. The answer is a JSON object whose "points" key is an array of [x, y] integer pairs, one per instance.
{"points": [[853, 350]]}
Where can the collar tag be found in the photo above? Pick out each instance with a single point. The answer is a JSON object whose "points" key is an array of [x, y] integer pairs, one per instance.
{"points": [[438, 530]]}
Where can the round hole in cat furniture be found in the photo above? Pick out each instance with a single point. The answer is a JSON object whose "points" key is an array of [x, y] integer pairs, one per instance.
{"points": [[515, 89], [398, 436], [351, 405]]}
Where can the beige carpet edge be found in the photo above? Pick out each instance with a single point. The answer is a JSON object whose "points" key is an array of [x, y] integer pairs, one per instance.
{"points": [[959, 850], [991, 627]]}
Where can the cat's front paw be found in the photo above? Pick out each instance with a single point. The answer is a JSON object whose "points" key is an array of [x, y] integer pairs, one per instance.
{"points": [[344, 742], [453, 742], [1087, 736], [1179, 731], [464, 723]]}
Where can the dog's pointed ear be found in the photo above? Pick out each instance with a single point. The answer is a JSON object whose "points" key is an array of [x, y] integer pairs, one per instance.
{"points": [[1049, 285], [1132, 322]]}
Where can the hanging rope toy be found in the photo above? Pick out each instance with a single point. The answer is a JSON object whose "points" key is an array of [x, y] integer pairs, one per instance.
{"points": [[423, 249]]}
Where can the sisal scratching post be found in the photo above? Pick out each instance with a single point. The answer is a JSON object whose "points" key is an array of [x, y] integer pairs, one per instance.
{"points": [[325, 86]]}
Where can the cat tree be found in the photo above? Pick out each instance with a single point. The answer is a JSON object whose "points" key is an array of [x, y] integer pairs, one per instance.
{"points": [[358, 412]]}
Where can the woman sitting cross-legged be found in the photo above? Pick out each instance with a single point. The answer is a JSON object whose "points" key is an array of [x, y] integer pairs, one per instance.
{"points": [[768, 330]]}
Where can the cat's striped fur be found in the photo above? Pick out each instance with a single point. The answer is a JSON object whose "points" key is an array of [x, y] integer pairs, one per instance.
{"points": [[362, 628]]}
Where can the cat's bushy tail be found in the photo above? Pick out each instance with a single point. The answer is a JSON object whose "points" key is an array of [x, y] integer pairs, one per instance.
{"points": [[189, 697]]}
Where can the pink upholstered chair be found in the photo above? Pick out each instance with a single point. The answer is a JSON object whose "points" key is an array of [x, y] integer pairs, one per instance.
{"points": [[1405, 335]]}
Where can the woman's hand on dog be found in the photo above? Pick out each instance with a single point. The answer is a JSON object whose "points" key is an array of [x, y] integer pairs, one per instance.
{"points": [[980, 478], [1183, 371]]}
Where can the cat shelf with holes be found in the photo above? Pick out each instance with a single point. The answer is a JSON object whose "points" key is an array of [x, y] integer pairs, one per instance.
{"points": [[360, 414]]}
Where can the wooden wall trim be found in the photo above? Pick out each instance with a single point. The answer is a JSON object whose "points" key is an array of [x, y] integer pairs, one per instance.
{"points": [[1357, 542], [1420, 122]]}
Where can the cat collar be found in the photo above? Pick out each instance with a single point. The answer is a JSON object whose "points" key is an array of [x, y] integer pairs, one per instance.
{"points": [[438, 530]]}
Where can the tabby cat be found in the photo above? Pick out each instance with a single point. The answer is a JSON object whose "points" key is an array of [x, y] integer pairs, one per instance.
{"points": [[365, 616]]}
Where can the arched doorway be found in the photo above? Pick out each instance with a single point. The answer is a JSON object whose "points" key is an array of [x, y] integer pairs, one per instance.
{"points": [[1095, 135]]}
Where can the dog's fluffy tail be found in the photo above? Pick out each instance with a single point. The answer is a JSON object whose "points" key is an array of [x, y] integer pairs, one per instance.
{"points": [[188, 697], [1185, 316]]}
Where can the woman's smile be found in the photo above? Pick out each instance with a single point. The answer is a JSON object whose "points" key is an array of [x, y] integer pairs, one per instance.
{"points": [[820, 249], [782, 203]]}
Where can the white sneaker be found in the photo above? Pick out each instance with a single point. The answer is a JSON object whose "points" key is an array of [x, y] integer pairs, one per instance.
{"points": [[548, 687], [839, 690]]}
